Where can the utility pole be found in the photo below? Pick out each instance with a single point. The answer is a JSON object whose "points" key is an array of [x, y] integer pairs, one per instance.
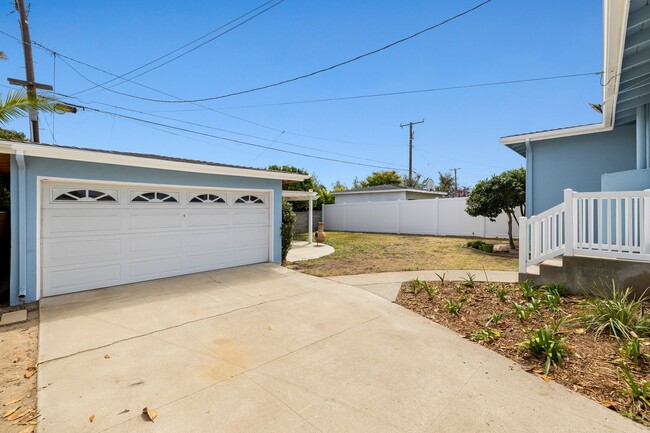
{"points": [[410, 125], [455, 170], [29, 68]]}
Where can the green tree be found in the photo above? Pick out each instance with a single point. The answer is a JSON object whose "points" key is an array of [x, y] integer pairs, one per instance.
{"points": [[338, 186], [388, 177], [415, 182], [311, 183], [18, 104], [505, 192], [446, 182], [11, 135]]}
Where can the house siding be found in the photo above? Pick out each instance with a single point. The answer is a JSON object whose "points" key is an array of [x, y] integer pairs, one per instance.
{"points": [[575, 162], [56, 168]]}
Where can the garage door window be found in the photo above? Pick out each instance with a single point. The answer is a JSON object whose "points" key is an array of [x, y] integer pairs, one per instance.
{"points": [[207, 198], [83, 195], [154, 197], [249, 199]]}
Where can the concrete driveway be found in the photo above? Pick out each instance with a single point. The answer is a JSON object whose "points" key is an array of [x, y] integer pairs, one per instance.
{"points": [[265, 349]]}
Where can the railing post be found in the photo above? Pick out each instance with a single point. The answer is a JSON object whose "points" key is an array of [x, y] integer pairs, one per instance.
{"points": [[523, 244], [569, 223], [645, 222]]}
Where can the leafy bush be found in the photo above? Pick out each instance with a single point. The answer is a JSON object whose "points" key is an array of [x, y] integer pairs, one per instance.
{"points": [[491, 287], [533, 305], [546, 342], [616, 311], [475, 244], [288, 220]]}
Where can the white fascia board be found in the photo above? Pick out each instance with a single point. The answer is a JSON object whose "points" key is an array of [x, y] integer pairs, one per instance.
{"points": [[615, 15], [389, 190], [99, 157], [298, 195]]}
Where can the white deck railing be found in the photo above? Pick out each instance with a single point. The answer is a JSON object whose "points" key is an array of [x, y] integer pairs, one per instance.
{"points": [[597, 224]]}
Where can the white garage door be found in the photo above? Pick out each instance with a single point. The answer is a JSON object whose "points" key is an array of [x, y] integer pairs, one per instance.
{"points": [[101, 235]]}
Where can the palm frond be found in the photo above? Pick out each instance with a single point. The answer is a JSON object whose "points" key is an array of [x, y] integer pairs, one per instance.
{"points": [[18, 104]]}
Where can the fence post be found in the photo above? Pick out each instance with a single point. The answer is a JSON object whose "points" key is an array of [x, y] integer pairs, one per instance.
{"points": [[399, 219], [523, 244], [569, 223]]}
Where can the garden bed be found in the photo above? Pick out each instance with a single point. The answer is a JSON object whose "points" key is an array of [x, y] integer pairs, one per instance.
{"points": [[591, 363]]}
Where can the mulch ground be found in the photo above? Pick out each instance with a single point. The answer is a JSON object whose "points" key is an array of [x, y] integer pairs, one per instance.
{"points": [[590, 365], [18, 372]]}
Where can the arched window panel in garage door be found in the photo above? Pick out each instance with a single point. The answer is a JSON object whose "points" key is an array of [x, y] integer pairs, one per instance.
{"points": [[249, 199], [154, 197], [207, 199], [75, 195]]}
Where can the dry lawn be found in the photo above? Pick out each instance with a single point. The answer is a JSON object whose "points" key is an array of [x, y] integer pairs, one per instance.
{"points": [[360, 253]]}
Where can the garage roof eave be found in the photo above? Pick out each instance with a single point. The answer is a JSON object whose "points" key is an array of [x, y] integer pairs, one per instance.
{"points": [[143, 160]]}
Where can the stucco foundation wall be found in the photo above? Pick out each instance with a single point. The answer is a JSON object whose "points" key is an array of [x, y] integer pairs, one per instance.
{"points": [[46, 167], [577, 163]]}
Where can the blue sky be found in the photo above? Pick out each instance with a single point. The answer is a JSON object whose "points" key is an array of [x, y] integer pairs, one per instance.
{"points": [[504, 40]]}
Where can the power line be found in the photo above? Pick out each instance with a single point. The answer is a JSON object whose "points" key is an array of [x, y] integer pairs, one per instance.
{"points": [[232, 140], [228, 131], [409, 92], [319, 71], [122, 76]]}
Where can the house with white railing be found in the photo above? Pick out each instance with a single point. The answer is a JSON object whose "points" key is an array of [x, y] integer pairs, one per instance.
{"points": [[588, 187]]}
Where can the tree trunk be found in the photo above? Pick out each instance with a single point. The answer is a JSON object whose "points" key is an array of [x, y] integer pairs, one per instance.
{"points": [[510, 239]]}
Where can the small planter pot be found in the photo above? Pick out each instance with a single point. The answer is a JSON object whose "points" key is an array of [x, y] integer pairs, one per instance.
{"points": [[487, 248]]}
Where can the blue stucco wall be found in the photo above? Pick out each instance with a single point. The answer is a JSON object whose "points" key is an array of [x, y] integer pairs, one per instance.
{"points": [[577, 163], [44, 167]]}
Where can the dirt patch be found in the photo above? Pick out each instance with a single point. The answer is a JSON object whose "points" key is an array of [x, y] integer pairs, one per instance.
{"points": [[18, 372], [590, 365], [360, 253]]}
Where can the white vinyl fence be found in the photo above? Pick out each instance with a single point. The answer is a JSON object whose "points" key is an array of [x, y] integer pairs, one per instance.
{"points": [[443, 216]]}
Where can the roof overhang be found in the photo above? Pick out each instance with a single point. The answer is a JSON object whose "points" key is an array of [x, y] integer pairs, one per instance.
{"points": [[615, 15], [99, 157], [299, 195], [423, 191]]}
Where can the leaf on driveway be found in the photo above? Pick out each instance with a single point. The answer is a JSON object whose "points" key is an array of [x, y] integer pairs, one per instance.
{"points": [[107, 356], [29, 373], [91, 418], [151, 414]]}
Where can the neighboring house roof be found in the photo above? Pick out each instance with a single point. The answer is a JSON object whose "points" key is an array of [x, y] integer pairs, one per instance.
{"points": [[143, 160], [387, 188], [615, 21]]}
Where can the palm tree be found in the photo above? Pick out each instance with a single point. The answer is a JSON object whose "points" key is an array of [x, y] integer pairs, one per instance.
{"points": [[18, 104]]}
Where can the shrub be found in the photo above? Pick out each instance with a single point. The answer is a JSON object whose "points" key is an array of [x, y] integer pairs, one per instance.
{"points": [[638, 392], [521, 311], [416, 285], [527, 289], [469, 281], [546, 342], [431, 291], [556, 289], [616, 311], [475, 244], [533, 305], [484, 335], [552, 301], [502, 293], [453, 307], [632, 350], [495, 318], [491, 287], [288, 220]]}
